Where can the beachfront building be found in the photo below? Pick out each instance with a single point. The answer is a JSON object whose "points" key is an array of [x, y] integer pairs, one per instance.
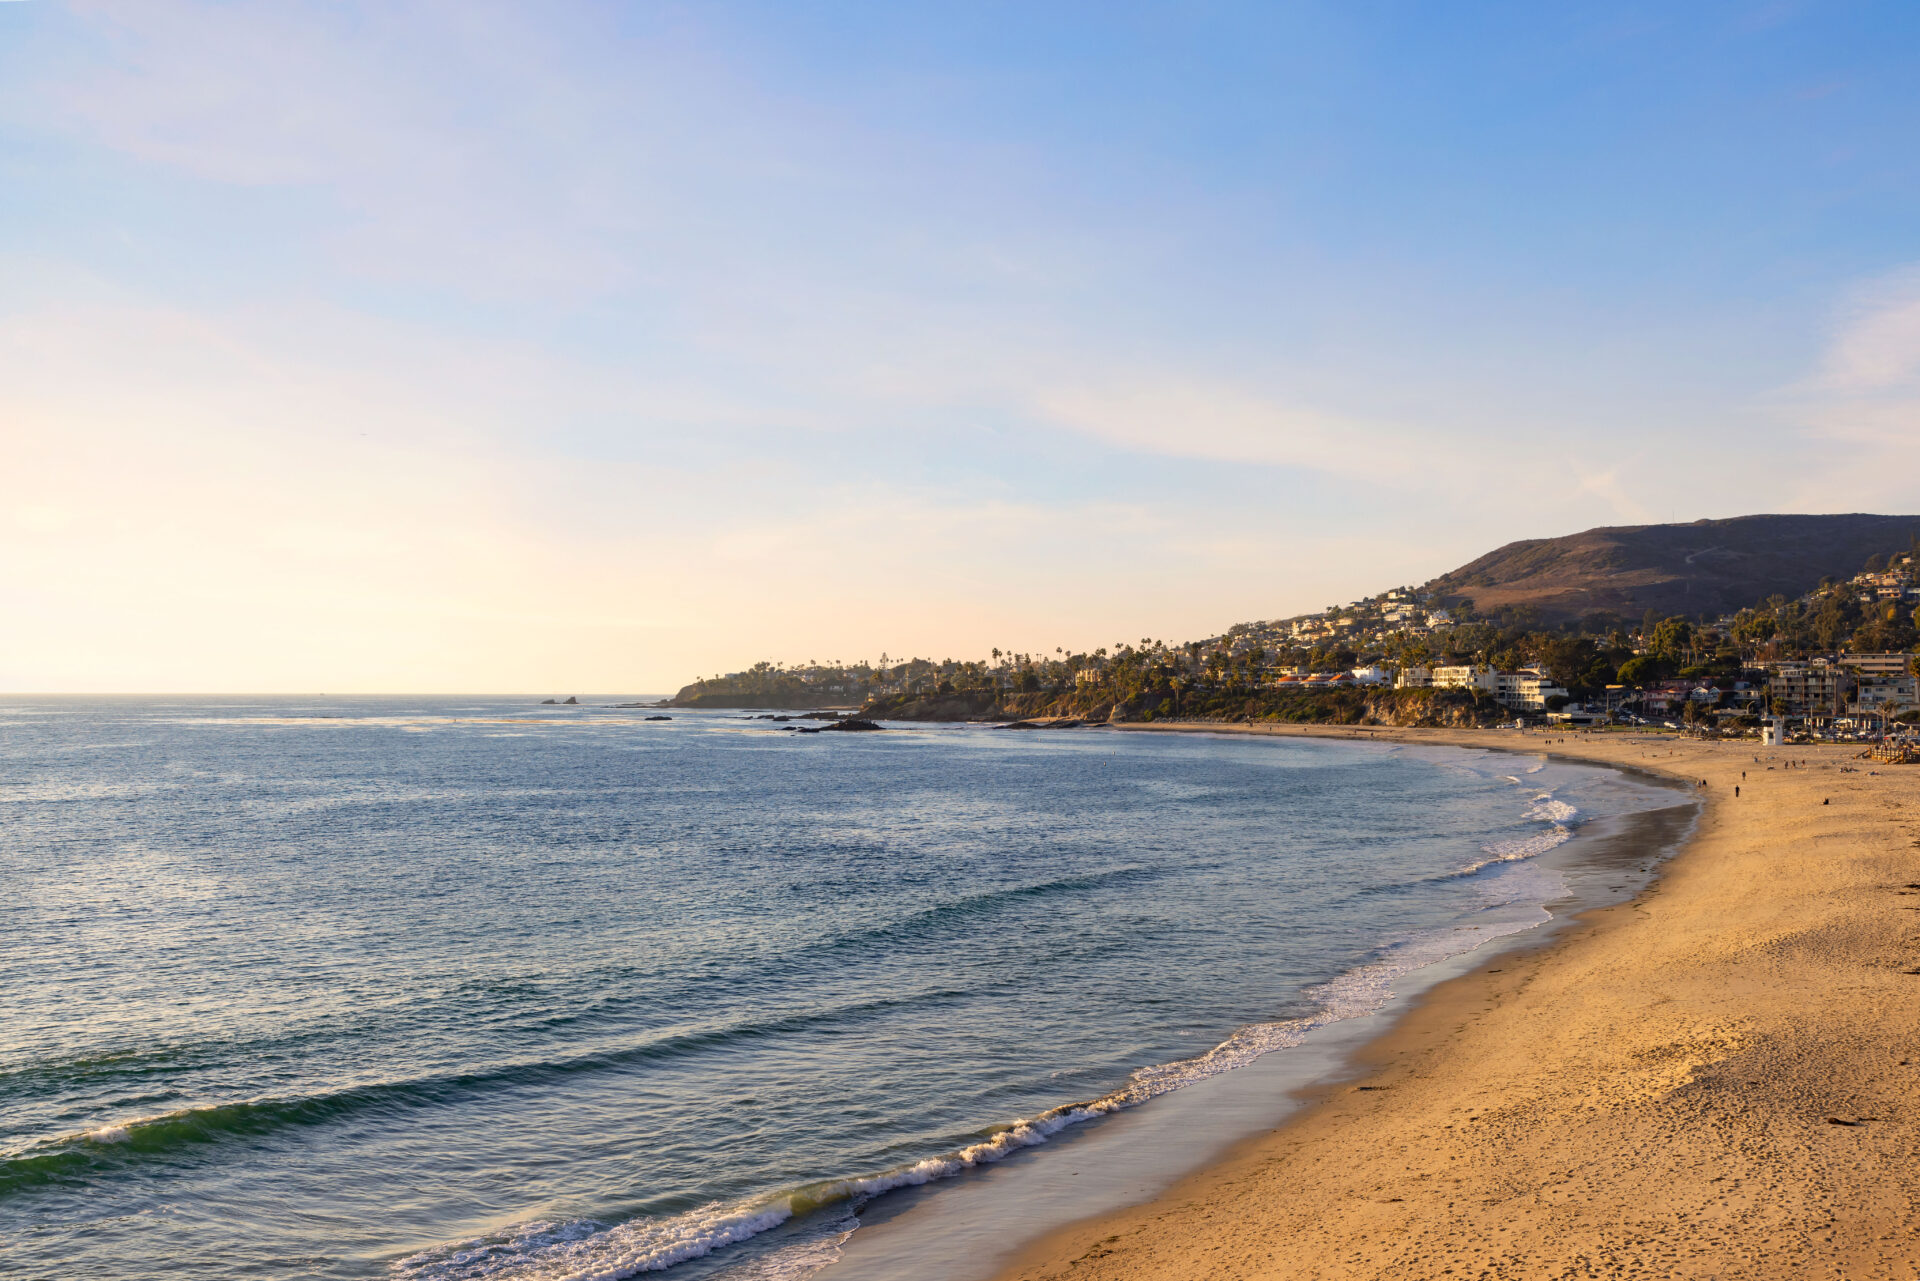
{"points": [[1816, 688], [1413, 676], [1526, 690], [1373, 674], [1885, 695], [1466, 676]]}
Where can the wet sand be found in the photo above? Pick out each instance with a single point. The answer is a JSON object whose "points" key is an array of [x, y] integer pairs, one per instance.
{"points": [[1718, 1078]]}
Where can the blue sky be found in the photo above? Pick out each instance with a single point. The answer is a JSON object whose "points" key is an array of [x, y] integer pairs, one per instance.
{"points": [[596, 346]]}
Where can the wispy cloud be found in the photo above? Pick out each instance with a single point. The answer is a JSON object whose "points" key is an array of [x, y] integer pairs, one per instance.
{"points": [[1223, 423], [1857, 415], [1877, 345]]}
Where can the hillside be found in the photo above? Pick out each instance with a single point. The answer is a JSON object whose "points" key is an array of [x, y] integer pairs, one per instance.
{"points": [[1708, 567]]}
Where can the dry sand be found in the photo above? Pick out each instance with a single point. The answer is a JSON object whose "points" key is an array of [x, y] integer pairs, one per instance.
{"points": [[1720, 1078]]}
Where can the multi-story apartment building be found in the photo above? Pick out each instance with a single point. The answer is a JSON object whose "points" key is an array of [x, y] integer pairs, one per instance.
{"points": [[1893, 664], [1816, 688], [1886, 695], [1526, 690], [1465, 676]]}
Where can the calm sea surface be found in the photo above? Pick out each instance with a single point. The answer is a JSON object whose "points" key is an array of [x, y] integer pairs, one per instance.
{"points": [[457, 988]]}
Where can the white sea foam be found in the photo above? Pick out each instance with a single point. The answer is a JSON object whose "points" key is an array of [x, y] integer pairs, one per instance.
{"points": [[585, 1251], [1547, 809], [795, 1260]]}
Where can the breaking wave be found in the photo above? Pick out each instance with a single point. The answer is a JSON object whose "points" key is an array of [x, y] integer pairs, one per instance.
{"points": [[1557, 818], [587, 1250]]}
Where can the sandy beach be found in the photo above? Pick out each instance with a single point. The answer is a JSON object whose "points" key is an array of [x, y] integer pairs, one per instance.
{"points": [[1719, 1078]]}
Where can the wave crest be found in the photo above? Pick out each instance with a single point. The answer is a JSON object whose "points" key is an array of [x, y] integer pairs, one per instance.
{"points": [[1556, 814]]}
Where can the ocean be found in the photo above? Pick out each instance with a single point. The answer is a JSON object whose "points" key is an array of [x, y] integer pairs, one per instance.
{"points": [[459, 988]]}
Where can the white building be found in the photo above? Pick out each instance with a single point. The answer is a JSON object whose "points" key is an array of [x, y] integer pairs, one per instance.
{"points": [[1895, 664], [1466, 676], [1414, 676], [1526, 690], [1808, 689], [1886, 695], [1374, 675]]}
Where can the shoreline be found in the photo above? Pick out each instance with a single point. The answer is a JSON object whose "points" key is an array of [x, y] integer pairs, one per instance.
{"points": [[1134, 1156], [1622, 1097]]}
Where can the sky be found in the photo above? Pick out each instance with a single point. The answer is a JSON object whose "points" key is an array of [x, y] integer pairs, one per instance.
{"points": [[596, 347]]}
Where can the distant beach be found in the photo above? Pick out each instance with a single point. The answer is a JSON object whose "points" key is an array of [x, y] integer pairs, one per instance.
{"points": [[1719, 1078]]}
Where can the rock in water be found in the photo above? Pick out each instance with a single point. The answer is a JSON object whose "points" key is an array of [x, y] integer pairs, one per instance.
{"points": [[850, 724]]}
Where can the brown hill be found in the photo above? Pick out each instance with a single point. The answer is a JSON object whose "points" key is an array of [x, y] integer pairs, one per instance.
{"points": [[1706, 568]]}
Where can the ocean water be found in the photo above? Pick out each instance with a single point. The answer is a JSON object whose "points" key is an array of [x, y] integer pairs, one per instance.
{"points": [[449, 989]]}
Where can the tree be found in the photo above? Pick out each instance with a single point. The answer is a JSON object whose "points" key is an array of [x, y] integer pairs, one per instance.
{"points": [[1568, 659], [1833, 622], [1754, 627], [1640, 670], [1885, 630], [1672, 638]]}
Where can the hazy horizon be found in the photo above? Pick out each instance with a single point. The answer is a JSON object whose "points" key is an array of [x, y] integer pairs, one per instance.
{"points": [[433, 348]]}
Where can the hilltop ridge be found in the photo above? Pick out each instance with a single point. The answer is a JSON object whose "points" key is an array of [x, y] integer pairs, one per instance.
{"points": [[1703, 568]]}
